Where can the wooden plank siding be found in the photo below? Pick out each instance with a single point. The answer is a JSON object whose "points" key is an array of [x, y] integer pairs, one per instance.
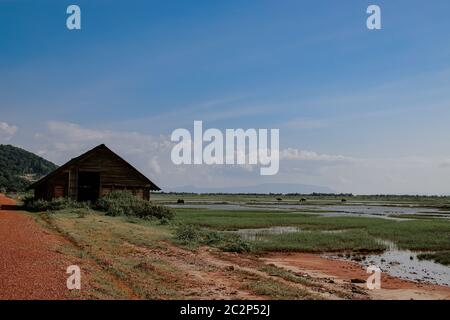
{"points": [[112, 170]]}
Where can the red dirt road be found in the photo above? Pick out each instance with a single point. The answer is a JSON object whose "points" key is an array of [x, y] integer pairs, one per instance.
{"points": [[30, 266]]}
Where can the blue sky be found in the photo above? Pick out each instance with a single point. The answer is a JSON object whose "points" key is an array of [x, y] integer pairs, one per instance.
{"points": [[140, 69]]}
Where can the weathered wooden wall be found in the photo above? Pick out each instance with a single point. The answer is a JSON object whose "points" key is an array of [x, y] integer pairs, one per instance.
{"points": [[115, 174]]}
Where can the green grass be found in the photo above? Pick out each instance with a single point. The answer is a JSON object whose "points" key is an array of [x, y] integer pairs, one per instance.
{"points": [[232, 220], [442, 257], [108, 242], [316, 241], [192, 236], [86, 226], [432, 235]]}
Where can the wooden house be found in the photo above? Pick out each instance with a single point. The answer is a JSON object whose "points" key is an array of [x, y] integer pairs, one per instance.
{"points": [[91, 175]]}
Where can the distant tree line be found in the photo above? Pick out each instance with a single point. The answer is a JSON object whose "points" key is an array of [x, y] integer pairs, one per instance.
{"points": [[321, 195]]}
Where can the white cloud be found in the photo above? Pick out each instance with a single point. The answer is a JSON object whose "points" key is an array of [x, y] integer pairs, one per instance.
{"points": [[444, 163], [154, 165], [7, 131], [61, 141]]}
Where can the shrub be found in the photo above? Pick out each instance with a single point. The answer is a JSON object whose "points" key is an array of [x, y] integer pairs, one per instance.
{"points": [[213, 238], [146, 210], [164, 221], [234, 243], [193, 235], [56, 204], [188, 234], [119, 203]]}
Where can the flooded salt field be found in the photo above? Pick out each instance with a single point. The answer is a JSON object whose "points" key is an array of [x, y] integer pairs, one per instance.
{"points": [[403, 264], [222, 206], [375, 211], [378, 210], [363, 210]]}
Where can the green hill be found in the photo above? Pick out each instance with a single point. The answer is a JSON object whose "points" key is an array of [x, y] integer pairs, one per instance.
{"points": [[18, 168]]}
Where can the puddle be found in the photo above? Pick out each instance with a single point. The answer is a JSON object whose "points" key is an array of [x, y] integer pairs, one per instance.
{"points": [[404, 264]]}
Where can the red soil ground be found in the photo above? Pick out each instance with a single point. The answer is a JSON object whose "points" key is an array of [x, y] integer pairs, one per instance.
{"points": [[30, 266], [391, 288]]}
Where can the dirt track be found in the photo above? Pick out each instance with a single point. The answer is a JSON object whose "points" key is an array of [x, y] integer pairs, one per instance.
{"points": [[30, 266]]}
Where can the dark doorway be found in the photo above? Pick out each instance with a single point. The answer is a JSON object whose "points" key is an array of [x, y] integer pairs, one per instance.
{"points": [[88, 186]]}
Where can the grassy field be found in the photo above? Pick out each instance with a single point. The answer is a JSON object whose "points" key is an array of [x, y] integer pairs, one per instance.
{"points": [[316, 241], [129, 258], [108, 242], [360, 232], [356, 233]]}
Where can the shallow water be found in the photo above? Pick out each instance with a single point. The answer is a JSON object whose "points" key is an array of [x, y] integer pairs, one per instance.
{"points": [[398, 263], [216, 206], [404, 264], [369, 211], [363, 210]]}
